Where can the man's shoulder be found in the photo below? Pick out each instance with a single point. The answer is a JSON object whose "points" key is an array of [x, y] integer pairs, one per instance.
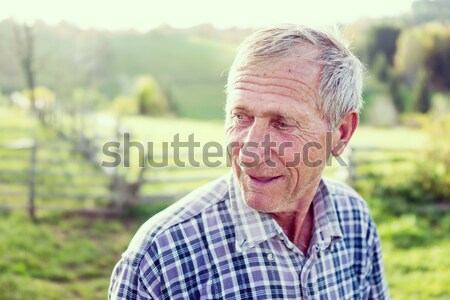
{"points": [[352, 211], [185, 209], [345, 197]]}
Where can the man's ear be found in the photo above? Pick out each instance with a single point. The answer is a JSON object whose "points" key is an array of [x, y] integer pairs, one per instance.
{"points": [[344, 131]]}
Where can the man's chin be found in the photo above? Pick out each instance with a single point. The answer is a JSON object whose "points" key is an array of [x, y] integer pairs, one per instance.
{"points": [[262, 204]]}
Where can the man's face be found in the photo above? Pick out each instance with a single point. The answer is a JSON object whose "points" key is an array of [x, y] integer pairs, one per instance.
{"points": [[276, 135]]}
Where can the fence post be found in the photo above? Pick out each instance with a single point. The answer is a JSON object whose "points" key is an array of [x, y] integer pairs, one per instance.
{"points": [[32, 183]]}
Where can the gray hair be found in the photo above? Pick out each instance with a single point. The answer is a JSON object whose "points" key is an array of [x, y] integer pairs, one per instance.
{"points": [[341, 80]]}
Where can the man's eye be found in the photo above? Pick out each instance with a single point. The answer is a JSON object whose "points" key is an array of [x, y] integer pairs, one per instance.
{"points": [[239, 117], [282, 124]]}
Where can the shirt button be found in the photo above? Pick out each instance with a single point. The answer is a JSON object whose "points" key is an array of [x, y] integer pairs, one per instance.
{"points": [[270, 256]]}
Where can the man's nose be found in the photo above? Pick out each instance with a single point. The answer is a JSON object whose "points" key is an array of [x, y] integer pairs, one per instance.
{"points": [[252, 151]]}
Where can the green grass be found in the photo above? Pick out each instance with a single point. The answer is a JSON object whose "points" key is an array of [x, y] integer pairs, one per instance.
{"points": [[60, 257], [72, 257], [397, 137], [192, 77], [418, 273], [206, 101], [415, 250]]}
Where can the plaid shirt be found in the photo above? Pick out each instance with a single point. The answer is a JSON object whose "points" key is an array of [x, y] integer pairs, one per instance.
{"points": [[210, 245]]}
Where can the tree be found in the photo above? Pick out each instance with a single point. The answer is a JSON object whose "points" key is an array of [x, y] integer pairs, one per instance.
{"points": [[437, 60], [150, 99], [422, 93], [86, 99], [382, 39], [428, 47], [430, 10], [396, 95], [24, 42], [380, 67]]}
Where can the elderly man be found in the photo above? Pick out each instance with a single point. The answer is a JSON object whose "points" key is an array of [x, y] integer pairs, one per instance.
{"points": [[273, 228]]}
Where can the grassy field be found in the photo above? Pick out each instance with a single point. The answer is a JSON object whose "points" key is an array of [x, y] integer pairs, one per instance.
{"points": [[67, 256], [71, 257], [61, 257], [194, 77], [415, 246]]}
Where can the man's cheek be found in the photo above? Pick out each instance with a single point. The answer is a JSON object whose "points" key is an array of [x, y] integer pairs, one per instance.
{"points": [[233, 148], [313, 154], [289, 153]]}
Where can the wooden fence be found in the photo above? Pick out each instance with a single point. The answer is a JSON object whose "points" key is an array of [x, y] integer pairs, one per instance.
{"points": [[48, 174], [65, 173], [52, 183]]}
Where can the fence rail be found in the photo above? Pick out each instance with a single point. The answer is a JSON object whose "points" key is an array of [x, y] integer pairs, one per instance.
{"points": [[40, 175]]}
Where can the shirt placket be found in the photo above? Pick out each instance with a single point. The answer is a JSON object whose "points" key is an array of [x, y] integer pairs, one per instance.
{"points": [[305, 263], [311, 260]]}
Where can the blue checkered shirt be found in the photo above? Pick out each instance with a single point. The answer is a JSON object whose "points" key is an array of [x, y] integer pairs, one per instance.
{"points": [[210, 245]]}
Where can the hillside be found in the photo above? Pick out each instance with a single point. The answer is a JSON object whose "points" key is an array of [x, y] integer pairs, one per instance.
{"points": [[190, 65]]}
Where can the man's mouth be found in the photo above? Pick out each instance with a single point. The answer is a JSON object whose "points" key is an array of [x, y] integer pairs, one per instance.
{"points": [[262, 180]]}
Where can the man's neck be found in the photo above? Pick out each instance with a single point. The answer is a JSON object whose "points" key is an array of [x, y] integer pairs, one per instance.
{"points": [[297, 225]]}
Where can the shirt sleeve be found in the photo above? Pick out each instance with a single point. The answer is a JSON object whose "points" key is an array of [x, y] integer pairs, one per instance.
{"points": [[377, 288], [135, 279], [124, 282]]}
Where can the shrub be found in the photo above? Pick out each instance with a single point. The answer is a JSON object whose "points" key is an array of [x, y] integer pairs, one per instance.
{"points": [[429, 179], [123, 105], [150, 98]]}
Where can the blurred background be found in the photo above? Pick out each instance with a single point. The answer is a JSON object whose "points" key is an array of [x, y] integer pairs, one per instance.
{"points": [[76, 78]]}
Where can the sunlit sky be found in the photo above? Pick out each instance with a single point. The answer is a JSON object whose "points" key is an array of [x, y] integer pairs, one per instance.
{"points": [[146, 14]]}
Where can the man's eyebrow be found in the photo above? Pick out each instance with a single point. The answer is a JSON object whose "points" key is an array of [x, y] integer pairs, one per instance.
{"points": [[285, 115], [272, 113], [239, 107], [243, 107]]}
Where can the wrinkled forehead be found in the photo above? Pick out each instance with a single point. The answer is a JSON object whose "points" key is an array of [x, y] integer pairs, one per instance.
{"points": [[294, 73], [248, 56], [298, 62]]}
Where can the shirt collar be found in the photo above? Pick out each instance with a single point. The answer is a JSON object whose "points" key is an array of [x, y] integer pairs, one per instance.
{"points": [[327, 229], [253, 227]]}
